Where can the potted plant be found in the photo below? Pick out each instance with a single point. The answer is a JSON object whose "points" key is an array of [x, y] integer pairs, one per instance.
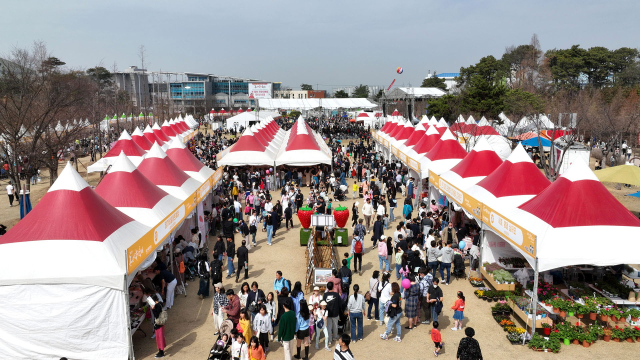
{"points": [[552, 345], [586, 339], [546, 329], [606, 334], [628, 333], [604, 313], [617, 334], [634, 313], [581, 310], [536, 342]]}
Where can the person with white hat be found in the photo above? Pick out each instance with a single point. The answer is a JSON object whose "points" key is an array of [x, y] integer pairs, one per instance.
{"points": [[315, 298], [321, 324]]}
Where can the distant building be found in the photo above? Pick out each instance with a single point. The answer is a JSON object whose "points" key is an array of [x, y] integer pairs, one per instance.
{"points": [[449, 79], [135, 82], [291, 94], [409, 100], [317, 94]]}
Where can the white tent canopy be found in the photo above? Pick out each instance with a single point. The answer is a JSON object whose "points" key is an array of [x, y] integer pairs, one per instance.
{"points": [[308, 104], [246, 118]]}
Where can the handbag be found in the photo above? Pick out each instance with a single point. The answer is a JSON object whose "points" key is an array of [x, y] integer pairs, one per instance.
{"points": [[162, 319], [320, 324], [367, 295]]}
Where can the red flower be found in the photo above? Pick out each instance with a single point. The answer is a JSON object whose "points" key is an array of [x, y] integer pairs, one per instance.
{"points": [[556, 330], [577, 323]]}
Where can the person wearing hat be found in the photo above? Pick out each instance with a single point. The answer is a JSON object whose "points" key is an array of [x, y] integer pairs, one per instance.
{"points": [[315, 297], [219, 301], [321, 324]]}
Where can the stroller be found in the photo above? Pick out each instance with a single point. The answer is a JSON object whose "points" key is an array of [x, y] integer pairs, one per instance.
{"points": [[221, 351], [340, 193], [458, 266]]}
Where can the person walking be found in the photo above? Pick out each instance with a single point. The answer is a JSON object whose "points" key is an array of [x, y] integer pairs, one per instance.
{"points": [[334, 305], [458, 311], [204, 273], [219, 301], [469, 348], [367, 211], [356, 312], [288, 217], [394, 313], [302, 329], [373, 292], [447, 257], [426, 280], [230, 254], [434, 298], [243, 261], [287, 329], [10, 193], [378, 229], [384, 295], [357, 249], [268, 220], [354, 215], [262, 326]]}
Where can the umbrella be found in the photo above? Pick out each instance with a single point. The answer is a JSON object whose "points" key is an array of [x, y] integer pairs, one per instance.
{"points": [[534, 142], [25, 204], [622, 174]]}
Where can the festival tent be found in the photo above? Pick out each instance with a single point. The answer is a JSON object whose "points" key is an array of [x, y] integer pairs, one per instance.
{"points": [[270, 142], [426, 143], [505, 125], [124, 144], [175, 127], [458, 125], [158, 132], [514, 182], [69, 298], [441, 126], [398, 129], [500, 144], [300, 147], [138, 137], [444, 155], [570, 210], [470, 126], [152, 137], [125, 188], [247, 151], [621, 174], [164, 173], [187, 162], [245, 119], [416, 135], [478, 164], [167, 130], [535, 142], [403, 134]]}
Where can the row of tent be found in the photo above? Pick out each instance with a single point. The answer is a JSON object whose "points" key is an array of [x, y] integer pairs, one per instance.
{"points": [[66, 267], [568, 218], [266, 144]]}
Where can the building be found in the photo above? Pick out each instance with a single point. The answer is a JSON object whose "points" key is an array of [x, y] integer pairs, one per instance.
{"points": [[135, 82], [409, 100], [449, 79], [299, 94], [317, 94]]}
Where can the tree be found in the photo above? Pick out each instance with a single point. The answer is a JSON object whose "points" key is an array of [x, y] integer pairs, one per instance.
{"points": [[622, 60], [519, 104], [341, 94], [597, 66], [434, 82], [361, 91], [306, 87], [446, 106], [566, 66], [379, 94]]}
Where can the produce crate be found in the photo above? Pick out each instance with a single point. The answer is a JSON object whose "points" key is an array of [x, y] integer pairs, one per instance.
{"points": [[529, 321], [499, 287]]}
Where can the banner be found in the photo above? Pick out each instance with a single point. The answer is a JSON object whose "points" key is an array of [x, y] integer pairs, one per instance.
{"points": [[454, 194], [141, 249], [260, 91], [510, 231], [201, 223]]}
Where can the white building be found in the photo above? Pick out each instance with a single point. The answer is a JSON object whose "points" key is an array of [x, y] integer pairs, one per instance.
{"points": [[449, 79]]}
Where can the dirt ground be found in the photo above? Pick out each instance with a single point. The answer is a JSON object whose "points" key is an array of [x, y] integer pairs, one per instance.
{"points": [[189, 330]]}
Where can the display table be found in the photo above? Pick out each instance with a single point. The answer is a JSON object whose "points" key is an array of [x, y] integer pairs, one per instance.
{"points": [[499, 287], [528, 319], [565, 293], [137, 321], [548, 308], [615, 300]]}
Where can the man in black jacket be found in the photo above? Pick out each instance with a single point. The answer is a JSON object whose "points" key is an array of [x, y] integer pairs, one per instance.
{"points": [[228, 228], [378, 230], [334, 307], [288, 217], [231, 253], [244, 230], [218, 249], [345, 275], [243, 261]]}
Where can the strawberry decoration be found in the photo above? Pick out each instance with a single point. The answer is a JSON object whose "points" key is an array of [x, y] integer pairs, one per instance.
{"points": [[304, 215], [341, 214]]}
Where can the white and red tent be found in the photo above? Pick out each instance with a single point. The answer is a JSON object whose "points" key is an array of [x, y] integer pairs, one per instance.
{"points": [[164, 173], [441, 126], [578, 221], [124, 144], [416, 135], [514, 182], [426, 143], [63, 276], [247, 151], [159, 133], [403, 135], [152, 137], [388, 126], [300, 147], [470, 126], [138, 137], [458, 126], [187, 162], [444, 155], [125, 188], [478, 164], [167, 130], [499, 143], [175, 127]]}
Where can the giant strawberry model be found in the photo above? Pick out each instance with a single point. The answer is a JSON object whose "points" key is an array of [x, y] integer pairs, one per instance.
{"points": [[304, 215], [341, 214]]}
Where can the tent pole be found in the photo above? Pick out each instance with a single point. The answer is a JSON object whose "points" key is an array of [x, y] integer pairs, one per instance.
{"points": [[534, 298], [125, 291]]}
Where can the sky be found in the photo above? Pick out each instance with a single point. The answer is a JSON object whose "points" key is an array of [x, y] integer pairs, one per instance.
{"points": [[331, 43]]}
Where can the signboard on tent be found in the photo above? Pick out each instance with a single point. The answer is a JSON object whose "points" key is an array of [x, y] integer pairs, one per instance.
{"points": [[468, 203], [260, 90], [515, 234]]}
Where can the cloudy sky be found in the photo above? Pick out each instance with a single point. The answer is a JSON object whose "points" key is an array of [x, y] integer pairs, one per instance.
{"points": [[330, 42]]}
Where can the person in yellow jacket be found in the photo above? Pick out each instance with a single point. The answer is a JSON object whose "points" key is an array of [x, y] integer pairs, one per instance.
{"points": [[355, 189], [245, 324]]}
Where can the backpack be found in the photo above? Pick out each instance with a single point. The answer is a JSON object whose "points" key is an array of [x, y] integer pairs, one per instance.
{"points": [[203, 271], [216, 271], [358, 247]]}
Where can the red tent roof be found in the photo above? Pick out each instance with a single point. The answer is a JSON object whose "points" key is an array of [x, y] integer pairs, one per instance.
{"points": [[175, 127], [389, 127], [160, 170], [517, 175], [417, 134], [125, 144], [125, 186], [182, 156], [151, 136], [248, 142], [578, 198], [397, 130], [447, 147], [212, 111], [167, 130], [405, 133], [395, 113], [70, 210], [481, 161], [428, 141], [301, 137], [158, 132], [138, 138], [363, 114]]}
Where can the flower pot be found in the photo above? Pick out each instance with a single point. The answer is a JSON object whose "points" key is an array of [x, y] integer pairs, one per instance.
{"points": [[556, 310], [629, 340], [563, 313], [604, 317], [616, 340], [567, 342], [570, 313], [615, 319], [606, 338], [546, 331], [575, 342], [593, 316], [580, 316], [622, 320], [634, 319], [585, 344]]}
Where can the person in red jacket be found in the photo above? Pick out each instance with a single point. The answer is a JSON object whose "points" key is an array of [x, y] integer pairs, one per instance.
{"points": [[458, 312], [233, 309], [436, 338]]}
